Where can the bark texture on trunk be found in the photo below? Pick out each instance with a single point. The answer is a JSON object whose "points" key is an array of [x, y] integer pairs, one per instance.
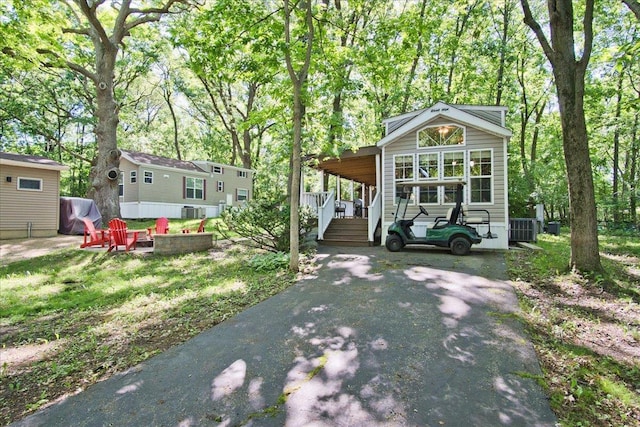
{"points": [[569, 76], [105, 170]]}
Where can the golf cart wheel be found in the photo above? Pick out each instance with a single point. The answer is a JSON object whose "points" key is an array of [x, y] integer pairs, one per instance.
{"points": [[460, 246], [394, 243]]}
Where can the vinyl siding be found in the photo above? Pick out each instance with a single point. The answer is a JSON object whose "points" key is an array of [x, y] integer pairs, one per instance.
{"points": [[18, 207], [475, 140], [168, 184]]}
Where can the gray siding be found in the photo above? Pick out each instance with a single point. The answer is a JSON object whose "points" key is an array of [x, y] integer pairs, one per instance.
{"points": [[475, 139], [168, 184], [18, 207]]}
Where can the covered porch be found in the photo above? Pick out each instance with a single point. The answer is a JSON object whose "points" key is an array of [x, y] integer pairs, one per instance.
{"points": [[360, 200]]}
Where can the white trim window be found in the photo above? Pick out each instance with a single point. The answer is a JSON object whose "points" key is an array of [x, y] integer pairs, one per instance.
{"points": [[242, 174], [29, 184], [121, 184], [242, 194], [220, 187], [219, 170], [133, 177], [428, 170], [440, 136], [481, 176], [453, 165], [194, 188], [403, 170], [148, 177]]}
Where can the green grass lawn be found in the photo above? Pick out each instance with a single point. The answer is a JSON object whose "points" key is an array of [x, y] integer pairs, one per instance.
{"points": [[74, 317], [586, 330]]}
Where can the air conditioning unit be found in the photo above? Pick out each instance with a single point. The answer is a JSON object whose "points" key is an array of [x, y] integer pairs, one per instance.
{"points": [[188, 212], [523, 230]]}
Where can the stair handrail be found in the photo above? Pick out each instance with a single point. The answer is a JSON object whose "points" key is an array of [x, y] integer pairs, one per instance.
{"points": [[375, 213], [326, 213]]}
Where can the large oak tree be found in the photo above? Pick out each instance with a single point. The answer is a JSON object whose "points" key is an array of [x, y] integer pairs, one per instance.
{"points": [[105, 25]]}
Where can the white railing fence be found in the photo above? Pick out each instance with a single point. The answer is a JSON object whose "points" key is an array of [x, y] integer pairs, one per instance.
{"points": [[325, 213], [375, 212]]}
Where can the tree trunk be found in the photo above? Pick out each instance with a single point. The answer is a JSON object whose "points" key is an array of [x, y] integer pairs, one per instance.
{"points": [[299, 82], [105, 170], [569, 80], [296, 168], [616, 153]]}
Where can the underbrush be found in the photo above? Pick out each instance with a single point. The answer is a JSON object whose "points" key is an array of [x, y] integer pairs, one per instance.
{"points": [[586, 329]]}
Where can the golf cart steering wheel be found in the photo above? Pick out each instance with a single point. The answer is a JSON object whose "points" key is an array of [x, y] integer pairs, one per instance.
{"points": [[423, 210]]}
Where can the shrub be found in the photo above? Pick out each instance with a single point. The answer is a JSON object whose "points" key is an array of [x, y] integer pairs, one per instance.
{"points": [[264, 222]]}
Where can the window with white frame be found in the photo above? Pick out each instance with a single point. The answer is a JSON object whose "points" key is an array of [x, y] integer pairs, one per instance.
{"points": [[194, 188], [148, 177], [441, 135], [242, 174], [217, 170], [481, 176], [220, 187], [242, 194], [428, 195], [428, 167], [121, 184], [29, 184], [453, 165], [402, 171], [133, 177]]}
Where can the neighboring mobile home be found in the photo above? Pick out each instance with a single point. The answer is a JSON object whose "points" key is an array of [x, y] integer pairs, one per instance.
{"points": [[29, 196], [440, 143], [153, 186]]}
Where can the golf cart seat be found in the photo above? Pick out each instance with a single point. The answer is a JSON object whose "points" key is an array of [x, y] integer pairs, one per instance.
{"points": [[441, 220], [466, 219]]}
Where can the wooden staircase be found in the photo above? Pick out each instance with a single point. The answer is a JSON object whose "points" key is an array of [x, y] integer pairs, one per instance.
{"points": [[347, 232]]}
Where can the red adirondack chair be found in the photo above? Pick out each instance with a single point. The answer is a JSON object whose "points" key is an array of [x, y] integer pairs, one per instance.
{"points": [[93, 237], [162, 227], [200, 228], [120, 236]]}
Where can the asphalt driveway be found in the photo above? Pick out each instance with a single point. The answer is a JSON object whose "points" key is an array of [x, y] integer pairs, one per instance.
{"points": [[372, 338]]}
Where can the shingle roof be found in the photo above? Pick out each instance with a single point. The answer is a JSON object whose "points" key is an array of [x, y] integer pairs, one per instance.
{"points": [[36, 161], [150, 159]]}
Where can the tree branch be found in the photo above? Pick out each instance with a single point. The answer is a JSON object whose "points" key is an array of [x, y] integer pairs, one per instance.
{"points": [[90, 13], [634, 6], [533, 24], [588, 35], [68, 64]]}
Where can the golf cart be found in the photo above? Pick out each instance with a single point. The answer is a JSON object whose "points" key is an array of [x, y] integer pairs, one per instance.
{"points": [[445, 232]]}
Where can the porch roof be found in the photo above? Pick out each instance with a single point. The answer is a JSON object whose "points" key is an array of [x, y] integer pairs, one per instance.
{"points": [[359, 166]]}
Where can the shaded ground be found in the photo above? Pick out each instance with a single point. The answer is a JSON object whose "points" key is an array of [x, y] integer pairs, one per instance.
{"points": [[370, 338], [19, 249]]}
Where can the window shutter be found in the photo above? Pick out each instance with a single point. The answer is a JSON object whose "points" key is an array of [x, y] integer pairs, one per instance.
{"points": [[204, 189], [184, 187]]}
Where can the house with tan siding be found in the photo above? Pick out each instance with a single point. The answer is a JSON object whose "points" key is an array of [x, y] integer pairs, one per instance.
{"points": [[432, 145], [154, 186], [29, 196], [448, 143]]}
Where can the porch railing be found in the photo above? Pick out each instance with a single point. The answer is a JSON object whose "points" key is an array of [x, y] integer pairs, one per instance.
{"points": [[375, 212], [314, 200], [325, 213]]}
